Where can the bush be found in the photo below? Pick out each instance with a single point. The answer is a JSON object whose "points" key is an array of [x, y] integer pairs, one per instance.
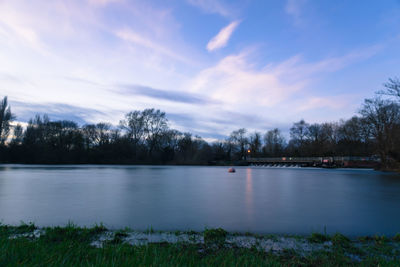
{"points": [[215, 237], [318, 238], [380, 240], [397, 237], [340, 240]]}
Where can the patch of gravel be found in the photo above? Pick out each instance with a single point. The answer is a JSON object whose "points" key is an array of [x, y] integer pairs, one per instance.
{"points": [[31, 235], [275, 245]]}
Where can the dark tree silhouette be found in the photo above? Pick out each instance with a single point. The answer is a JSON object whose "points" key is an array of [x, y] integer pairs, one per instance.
{"points": [[144, 137], [6, 117]]}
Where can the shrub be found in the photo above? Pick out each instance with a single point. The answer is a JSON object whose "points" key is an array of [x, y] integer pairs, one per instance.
{"points": [[380, 240], [215, 237], [340, 240], [318, 238], [397, 237]]}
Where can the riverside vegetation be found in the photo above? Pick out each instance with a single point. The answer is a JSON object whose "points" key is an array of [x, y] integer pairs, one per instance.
{"points": [[28, 245], [144, 137]]}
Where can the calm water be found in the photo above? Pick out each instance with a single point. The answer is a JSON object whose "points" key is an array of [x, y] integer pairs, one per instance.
{"points": [[263, 200]]}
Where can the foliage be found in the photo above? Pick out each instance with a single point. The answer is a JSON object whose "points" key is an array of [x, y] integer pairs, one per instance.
{"points": [[215, 237], [6, 117], [318, 238], [397, 237], [71, 246], [340, 240], [71, 233]]}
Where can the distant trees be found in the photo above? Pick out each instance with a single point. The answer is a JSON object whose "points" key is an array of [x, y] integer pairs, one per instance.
{"points": [[52, 141], [353, 138], [144, 137], [274, 143], [155, 126], [133, 124], [255, 144], [238, 142], [6, 117]]}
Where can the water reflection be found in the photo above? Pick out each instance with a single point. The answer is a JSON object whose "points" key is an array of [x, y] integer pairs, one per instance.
{"points": [[249, 195], [172, 198]]}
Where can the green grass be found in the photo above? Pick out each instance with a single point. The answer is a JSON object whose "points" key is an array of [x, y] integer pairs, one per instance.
{"points": [[340, 240], [215, 237], [70, 246], [318, 238], [396, 238]]}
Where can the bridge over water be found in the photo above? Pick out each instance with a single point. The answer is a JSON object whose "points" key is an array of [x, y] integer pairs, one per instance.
{"points": [[366, 162]]}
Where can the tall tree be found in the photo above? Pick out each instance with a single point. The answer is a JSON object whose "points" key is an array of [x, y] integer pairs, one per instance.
{"points": [[299, 131], [155, 124], [134, 125], [239, 140], [6, 117], [274, 143], [18, 135], [255, 143], [383, 119], [298, 134]]}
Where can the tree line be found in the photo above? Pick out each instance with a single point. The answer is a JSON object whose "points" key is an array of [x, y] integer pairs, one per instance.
{"points": [[144, 137]]}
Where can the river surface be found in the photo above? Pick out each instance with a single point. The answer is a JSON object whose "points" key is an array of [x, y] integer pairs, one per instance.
{"points": [[254, 199]]}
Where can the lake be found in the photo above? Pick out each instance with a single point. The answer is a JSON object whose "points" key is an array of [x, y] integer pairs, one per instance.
{"points": [[254, 199]]}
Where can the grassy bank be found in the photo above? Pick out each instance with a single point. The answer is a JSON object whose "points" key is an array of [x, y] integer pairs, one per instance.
{"points": [[27, 245]]}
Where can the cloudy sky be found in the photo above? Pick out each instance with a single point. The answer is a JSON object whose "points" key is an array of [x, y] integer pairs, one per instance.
{"points": [[212, 65]]}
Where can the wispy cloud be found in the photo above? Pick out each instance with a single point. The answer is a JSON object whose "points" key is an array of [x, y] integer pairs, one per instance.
{"points": [[222, 38], [294, 8], [98, 52], [272, 90], [56, 111], [235, 82], [103, 2], [82, 80], [14, 26], [173, 96], [330, 102], [213, 6], [11, 78], [140, 40]]}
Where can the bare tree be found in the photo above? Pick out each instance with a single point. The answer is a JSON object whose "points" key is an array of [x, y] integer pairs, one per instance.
{"points": [[383, 119], [255, 143], [97, 134], [133, 124], [6, 117], [299, 134], [299, 131], [18, 135], [392, 88], [274, 142], [155, 124], [239, 140]]}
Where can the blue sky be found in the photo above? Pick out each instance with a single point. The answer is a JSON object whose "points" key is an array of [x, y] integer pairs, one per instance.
{"points": [[213, 66]]}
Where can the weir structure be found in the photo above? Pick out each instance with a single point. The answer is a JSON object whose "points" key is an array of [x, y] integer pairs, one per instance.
{"points": [[324, 162]]}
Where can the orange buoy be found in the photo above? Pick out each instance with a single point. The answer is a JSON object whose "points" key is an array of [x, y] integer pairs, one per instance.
{"points": [[231, 170]]}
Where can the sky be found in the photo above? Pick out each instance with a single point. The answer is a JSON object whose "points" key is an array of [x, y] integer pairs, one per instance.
{"points": [[212, 65]]}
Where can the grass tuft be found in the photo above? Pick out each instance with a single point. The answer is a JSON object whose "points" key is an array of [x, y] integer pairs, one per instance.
{"points": [[396, 238], [215, 237], [340, 240], [318, 238], [380, 240]]}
